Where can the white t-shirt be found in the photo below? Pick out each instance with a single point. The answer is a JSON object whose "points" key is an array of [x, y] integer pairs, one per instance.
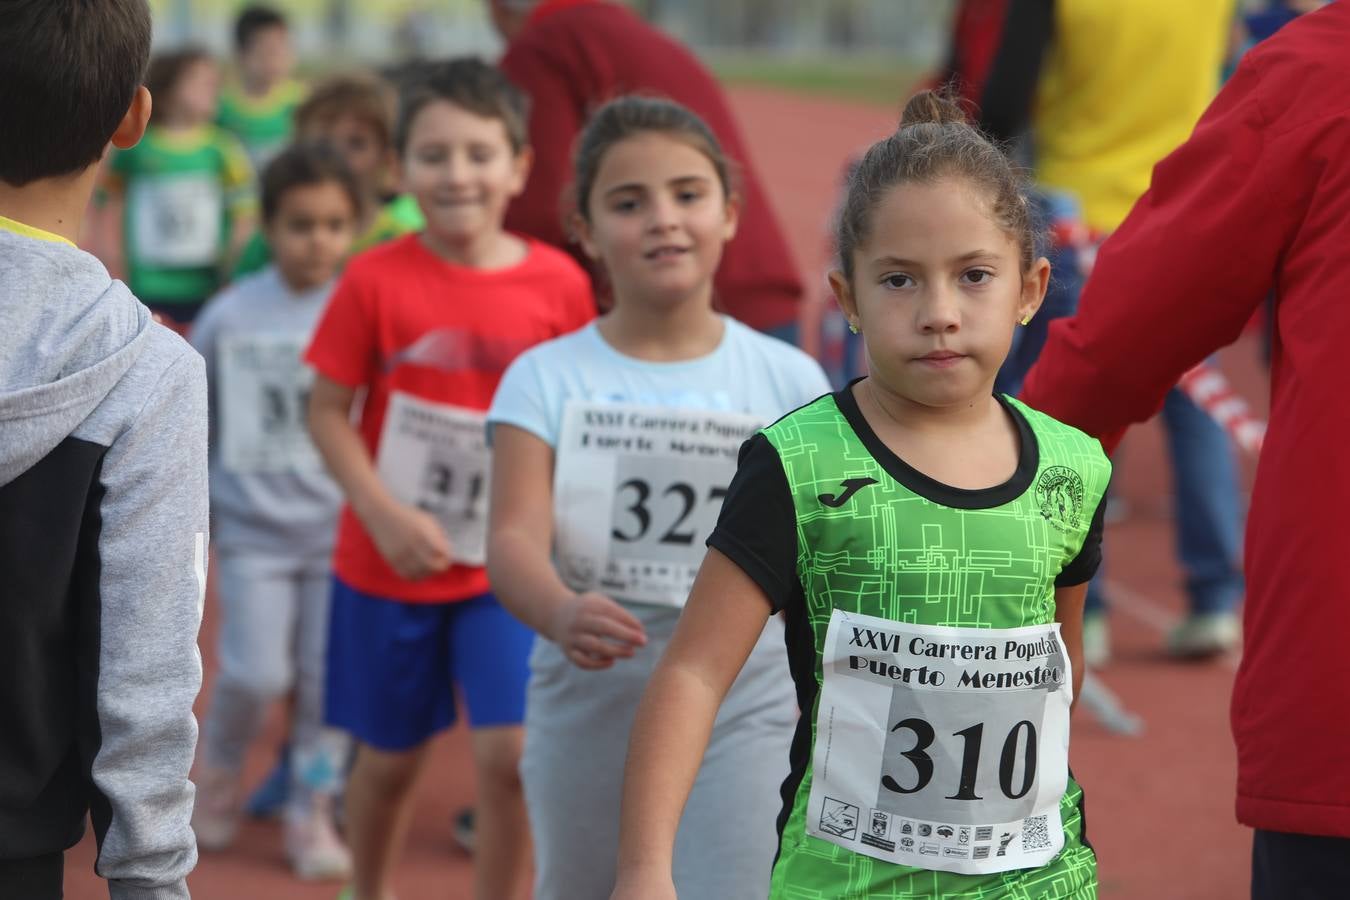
{"points": [[747, 373], [637, 492]]}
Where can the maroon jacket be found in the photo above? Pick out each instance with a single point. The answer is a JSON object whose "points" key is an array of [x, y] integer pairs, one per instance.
{"points": [[1256, 202], [572, 57]]}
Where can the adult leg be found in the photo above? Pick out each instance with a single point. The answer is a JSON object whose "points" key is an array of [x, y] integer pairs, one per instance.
{"points": [[1299, 866], [1209, 525], [489, 659]]}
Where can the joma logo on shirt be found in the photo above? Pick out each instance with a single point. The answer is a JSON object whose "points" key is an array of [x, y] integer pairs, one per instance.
{"points": [[850, 487]]}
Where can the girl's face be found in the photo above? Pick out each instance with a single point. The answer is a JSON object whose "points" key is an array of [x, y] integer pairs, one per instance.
{"points": [[311, 232], [463, 171], [937, 291], [658, 219], [196, 94]]}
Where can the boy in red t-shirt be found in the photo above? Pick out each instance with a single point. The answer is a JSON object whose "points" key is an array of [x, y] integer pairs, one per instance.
{"points": [[426, 325]]}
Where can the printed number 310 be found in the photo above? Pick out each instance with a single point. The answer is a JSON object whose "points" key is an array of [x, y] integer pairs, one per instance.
{"points": [[970, 760]]}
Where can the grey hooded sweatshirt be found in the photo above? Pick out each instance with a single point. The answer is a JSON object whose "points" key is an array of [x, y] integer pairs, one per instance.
{"points": [[103, 531]]}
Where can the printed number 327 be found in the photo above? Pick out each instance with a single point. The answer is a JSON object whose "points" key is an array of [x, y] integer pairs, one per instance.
{"points": [[641, 493]]}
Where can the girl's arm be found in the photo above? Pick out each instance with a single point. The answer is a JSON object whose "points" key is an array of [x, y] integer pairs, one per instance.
{"points": [[718, 629], [591, 628], [1069, 615], [410, 540]]}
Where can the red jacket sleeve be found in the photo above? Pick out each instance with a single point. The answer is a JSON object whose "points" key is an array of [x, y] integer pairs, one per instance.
{"points": [[1183, 273], [555, 122]]}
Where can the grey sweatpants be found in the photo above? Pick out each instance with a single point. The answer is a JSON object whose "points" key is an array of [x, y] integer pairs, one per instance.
{"points": [[576, 740], [273, 637]]}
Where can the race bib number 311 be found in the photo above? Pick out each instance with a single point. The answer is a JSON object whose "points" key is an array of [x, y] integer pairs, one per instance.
{"points": [[637, 491], [434, 456], [942, 748], [264, 394]]}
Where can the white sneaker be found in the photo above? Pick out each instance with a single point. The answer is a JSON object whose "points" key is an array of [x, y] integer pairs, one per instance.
{"points": [[1205, 635], [215, 816], [312, 843]]}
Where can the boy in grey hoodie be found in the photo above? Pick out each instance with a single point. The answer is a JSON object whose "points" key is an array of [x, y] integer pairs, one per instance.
{"points": [[103, 488]]}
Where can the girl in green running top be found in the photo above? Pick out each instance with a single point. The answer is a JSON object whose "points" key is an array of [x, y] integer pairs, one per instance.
{"points": [[929, 545]]}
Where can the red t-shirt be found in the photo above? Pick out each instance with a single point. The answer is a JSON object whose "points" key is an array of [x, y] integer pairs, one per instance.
{"points": [[404, 320]]}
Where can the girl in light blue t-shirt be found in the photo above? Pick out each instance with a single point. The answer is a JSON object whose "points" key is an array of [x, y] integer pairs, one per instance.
{"points": [[612, 450]]}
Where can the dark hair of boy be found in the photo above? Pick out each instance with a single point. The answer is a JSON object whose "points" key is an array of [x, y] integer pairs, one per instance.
{"points": [[470, 84], [68, 72], [302, 165], [365, 96], [166, 70], [253, 19]]}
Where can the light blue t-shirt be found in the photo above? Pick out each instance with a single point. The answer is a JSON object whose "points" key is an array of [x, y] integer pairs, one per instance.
{"points": [[748, 373]]}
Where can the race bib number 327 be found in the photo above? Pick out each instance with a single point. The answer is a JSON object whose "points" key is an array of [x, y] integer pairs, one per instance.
{"points": [[942, 748], [637, 491]]}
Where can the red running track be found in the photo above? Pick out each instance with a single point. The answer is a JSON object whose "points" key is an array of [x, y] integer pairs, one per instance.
{"points": [[1160, 806]]}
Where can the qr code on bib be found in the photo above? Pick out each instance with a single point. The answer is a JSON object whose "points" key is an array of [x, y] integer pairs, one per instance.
{"points": [[1035, 834]]}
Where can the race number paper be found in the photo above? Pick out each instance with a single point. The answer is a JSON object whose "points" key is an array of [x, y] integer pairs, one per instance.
{"points": [[263, 396], [942, 748], [434, 456], [176, 219], [637, 490]]}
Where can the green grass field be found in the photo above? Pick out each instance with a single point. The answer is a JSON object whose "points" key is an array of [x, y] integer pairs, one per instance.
{"points": [[876, 81]]}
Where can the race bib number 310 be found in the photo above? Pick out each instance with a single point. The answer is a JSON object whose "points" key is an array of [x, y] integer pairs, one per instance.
{"points": [[637, 491], [942, 748], [434, 456]]}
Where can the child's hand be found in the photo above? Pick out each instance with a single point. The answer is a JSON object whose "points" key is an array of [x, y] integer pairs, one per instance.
{"points": [[410, 540], [594, 631], [644, 886]]}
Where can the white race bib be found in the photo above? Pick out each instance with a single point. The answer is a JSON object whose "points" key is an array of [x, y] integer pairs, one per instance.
{"points": [[264, 396], [434, 456], [942, 748], [637, 491], [176, 219]]}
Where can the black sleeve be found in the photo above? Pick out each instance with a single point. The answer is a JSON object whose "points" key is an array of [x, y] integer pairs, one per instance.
{"points": [[1005, 102], [757, 528], [1083, 566]]}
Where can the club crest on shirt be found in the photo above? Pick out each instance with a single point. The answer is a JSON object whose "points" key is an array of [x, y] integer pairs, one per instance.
{"points": [[1059, 495]]}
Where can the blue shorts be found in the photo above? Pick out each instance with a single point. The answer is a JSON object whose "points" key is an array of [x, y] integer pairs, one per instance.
{"points": [[393, 667]]}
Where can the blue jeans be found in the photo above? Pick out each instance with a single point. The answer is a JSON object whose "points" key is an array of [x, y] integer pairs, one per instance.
{"points": [[1208, 509]]}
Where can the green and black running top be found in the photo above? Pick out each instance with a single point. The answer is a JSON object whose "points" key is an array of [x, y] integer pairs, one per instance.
{"points": [[823, 516]]}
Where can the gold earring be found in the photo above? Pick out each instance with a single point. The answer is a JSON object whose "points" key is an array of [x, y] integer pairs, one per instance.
{"points": [[853, 327], [1026, 320]]}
